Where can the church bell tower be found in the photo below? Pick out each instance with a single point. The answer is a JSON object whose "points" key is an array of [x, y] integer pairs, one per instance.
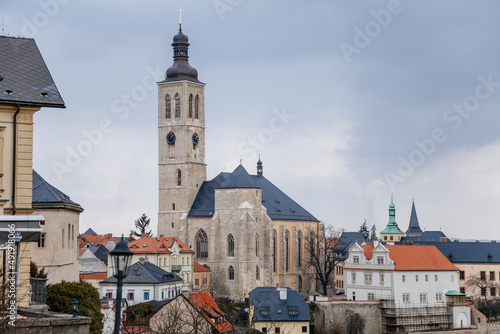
{"points": [[181, 140]]}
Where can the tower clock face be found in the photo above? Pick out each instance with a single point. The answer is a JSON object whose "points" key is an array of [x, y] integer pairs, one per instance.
{"points": [[196, 139], [171, 138]]}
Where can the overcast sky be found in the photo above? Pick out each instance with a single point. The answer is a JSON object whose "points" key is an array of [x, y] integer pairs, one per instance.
{"points": [[347, 103]]}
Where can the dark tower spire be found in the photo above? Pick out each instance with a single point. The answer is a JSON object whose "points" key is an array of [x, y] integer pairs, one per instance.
{"points": [[414, 227], [260, 168], [181, 70]]}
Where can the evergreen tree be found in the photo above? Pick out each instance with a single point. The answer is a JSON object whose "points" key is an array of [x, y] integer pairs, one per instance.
{"points": [[141, 226], [373, 233], [364, 229]]}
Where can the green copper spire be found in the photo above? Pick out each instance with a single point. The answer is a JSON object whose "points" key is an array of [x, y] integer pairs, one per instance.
{"points": [[392, 226]]}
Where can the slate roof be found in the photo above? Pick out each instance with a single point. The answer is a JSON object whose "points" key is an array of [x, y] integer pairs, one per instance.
{"points": [[279, 206], [154, 245], [414, 258], [468, 252], [89, 232], [46, 195], [100, 252], [414, 226], [427, 236], [25, 74], [268, 299], [97, 239], [145, 273]]}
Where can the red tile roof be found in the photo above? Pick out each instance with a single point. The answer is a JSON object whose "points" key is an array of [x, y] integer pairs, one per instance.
{"points": [[413, 257], [198, 268], [81, 251], [154, 245], [99, 276], [96, 239], [205, 304]]}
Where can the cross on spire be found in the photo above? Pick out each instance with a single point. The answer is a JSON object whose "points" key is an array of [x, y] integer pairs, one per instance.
{"points": [[180, 16]]}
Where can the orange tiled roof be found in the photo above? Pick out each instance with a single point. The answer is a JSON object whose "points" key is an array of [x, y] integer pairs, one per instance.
{"points": [[207, 306], [100, 276], [81, 251], [97, 239], [414, 257], [155, 245], [198, 268]]}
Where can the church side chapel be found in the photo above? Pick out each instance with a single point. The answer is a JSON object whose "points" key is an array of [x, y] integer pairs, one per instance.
{"points": [[241, 226]]}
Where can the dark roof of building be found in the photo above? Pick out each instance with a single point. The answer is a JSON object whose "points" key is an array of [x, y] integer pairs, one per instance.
{"points": [[427, 236], [100, 252], [269, 307], [47, 196], [414, 226], [468, 252], [180, 69], [145, 273], [25, 76], [346, 240], [279, 206], [89, 232]]}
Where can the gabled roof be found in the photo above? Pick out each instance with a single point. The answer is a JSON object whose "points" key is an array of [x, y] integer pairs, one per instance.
{"points": [[427, 236], [278, 205], [155, 245], [346, 240], [100, 252], [267, 299], [198, 268], [145, 273], [414, 226], [47, 196], [89, 231], [97, 239], [469, 252], [414, 258], [207, 306], [25, 77]]}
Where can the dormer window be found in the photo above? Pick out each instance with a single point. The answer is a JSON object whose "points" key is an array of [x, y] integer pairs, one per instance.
{"points": [[293, 310]]}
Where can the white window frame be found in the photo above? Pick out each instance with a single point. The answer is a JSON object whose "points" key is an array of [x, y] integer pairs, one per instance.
{"points": [[406, 297], [423, 298], [355, 259]]}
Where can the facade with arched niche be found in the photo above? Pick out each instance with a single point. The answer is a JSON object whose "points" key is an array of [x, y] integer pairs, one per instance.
{"points": [[241, 226]]}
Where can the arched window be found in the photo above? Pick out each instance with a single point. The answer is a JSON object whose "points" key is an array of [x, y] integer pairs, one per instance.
{"points": [[274, 250], [257, 273], [179, 177], [177, 106], [196, 107], [300, 283], [190, 105], [300, 248], [230, 245], [201, 245], [287, 250], [230, 272], [168, 107], [256, 245]]}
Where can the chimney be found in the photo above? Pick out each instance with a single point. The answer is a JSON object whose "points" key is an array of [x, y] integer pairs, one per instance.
{"points": [[443, 239], [283, 292], [161, 236]]}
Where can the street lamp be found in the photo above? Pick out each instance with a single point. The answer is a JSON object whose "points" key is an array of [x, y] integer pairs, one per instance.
{"points": [[120, 260], [75, 305]]}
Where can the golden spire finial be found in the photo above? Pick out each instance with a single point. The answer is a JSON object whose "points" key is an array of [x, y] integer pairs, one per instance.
{"points": [[241, 161], [180, 16]]}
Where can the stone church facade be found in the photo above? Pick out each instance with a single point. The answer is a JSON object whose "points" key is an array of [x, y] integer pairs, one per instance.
{"points": [[241, 226]]}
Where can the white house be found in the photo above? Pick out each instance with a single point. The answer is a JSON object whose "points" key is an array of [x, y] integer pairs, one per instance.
{"points": [[144, 282], [410, 275]]}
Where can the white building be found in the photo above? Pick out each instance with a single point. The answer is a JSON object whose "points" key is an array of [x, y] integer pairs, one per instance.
{"points": [[410, 275], [144, 282]]}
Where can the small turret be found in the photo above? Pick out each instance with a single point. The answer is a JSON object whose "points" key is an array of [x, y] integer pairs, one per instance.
{"points": [[260, 168]]}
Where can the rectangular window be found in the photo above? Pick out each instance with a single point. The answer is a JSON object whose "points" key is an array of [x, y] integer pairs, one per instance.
{"points": [[277, 330], [483, 275], [380, 260], [382, 279], [368, 278], [406, 297], [427, 278], [130, 296], [353, 276], [109, 295], [416, 278], [355, 259], [436, 278], [264, 330], [205, 281], [439, 297], [492, 275], [146, 295], [196, 281], [462, 290], [304, 329], [392, 238], [453, 278], [493, 292], [423, 298], [41, 242], [483, 291], [462, 275], [371, 296], [403, 278]]}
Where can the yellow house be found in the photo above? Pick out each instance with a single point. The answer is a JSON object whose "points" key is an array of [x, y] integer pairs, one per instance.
{"points": [[25, 87]]}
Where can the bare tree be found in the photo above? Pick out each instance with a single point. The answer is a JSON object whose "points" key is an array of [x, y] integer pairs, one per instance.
{"points": [[484, 292], [324, 254], [218, 287]]}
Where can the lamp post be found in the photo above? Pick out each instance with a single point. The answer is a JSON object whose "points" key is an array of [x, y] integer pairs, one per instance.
{"points": [[75, 305], [120, 257]]}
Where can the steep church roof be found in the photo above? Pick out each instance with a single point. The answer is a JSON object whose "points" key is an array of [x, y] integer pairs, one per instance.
{"points": [[279, 206], [24, 77], [47, 196], [414, 227]]}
